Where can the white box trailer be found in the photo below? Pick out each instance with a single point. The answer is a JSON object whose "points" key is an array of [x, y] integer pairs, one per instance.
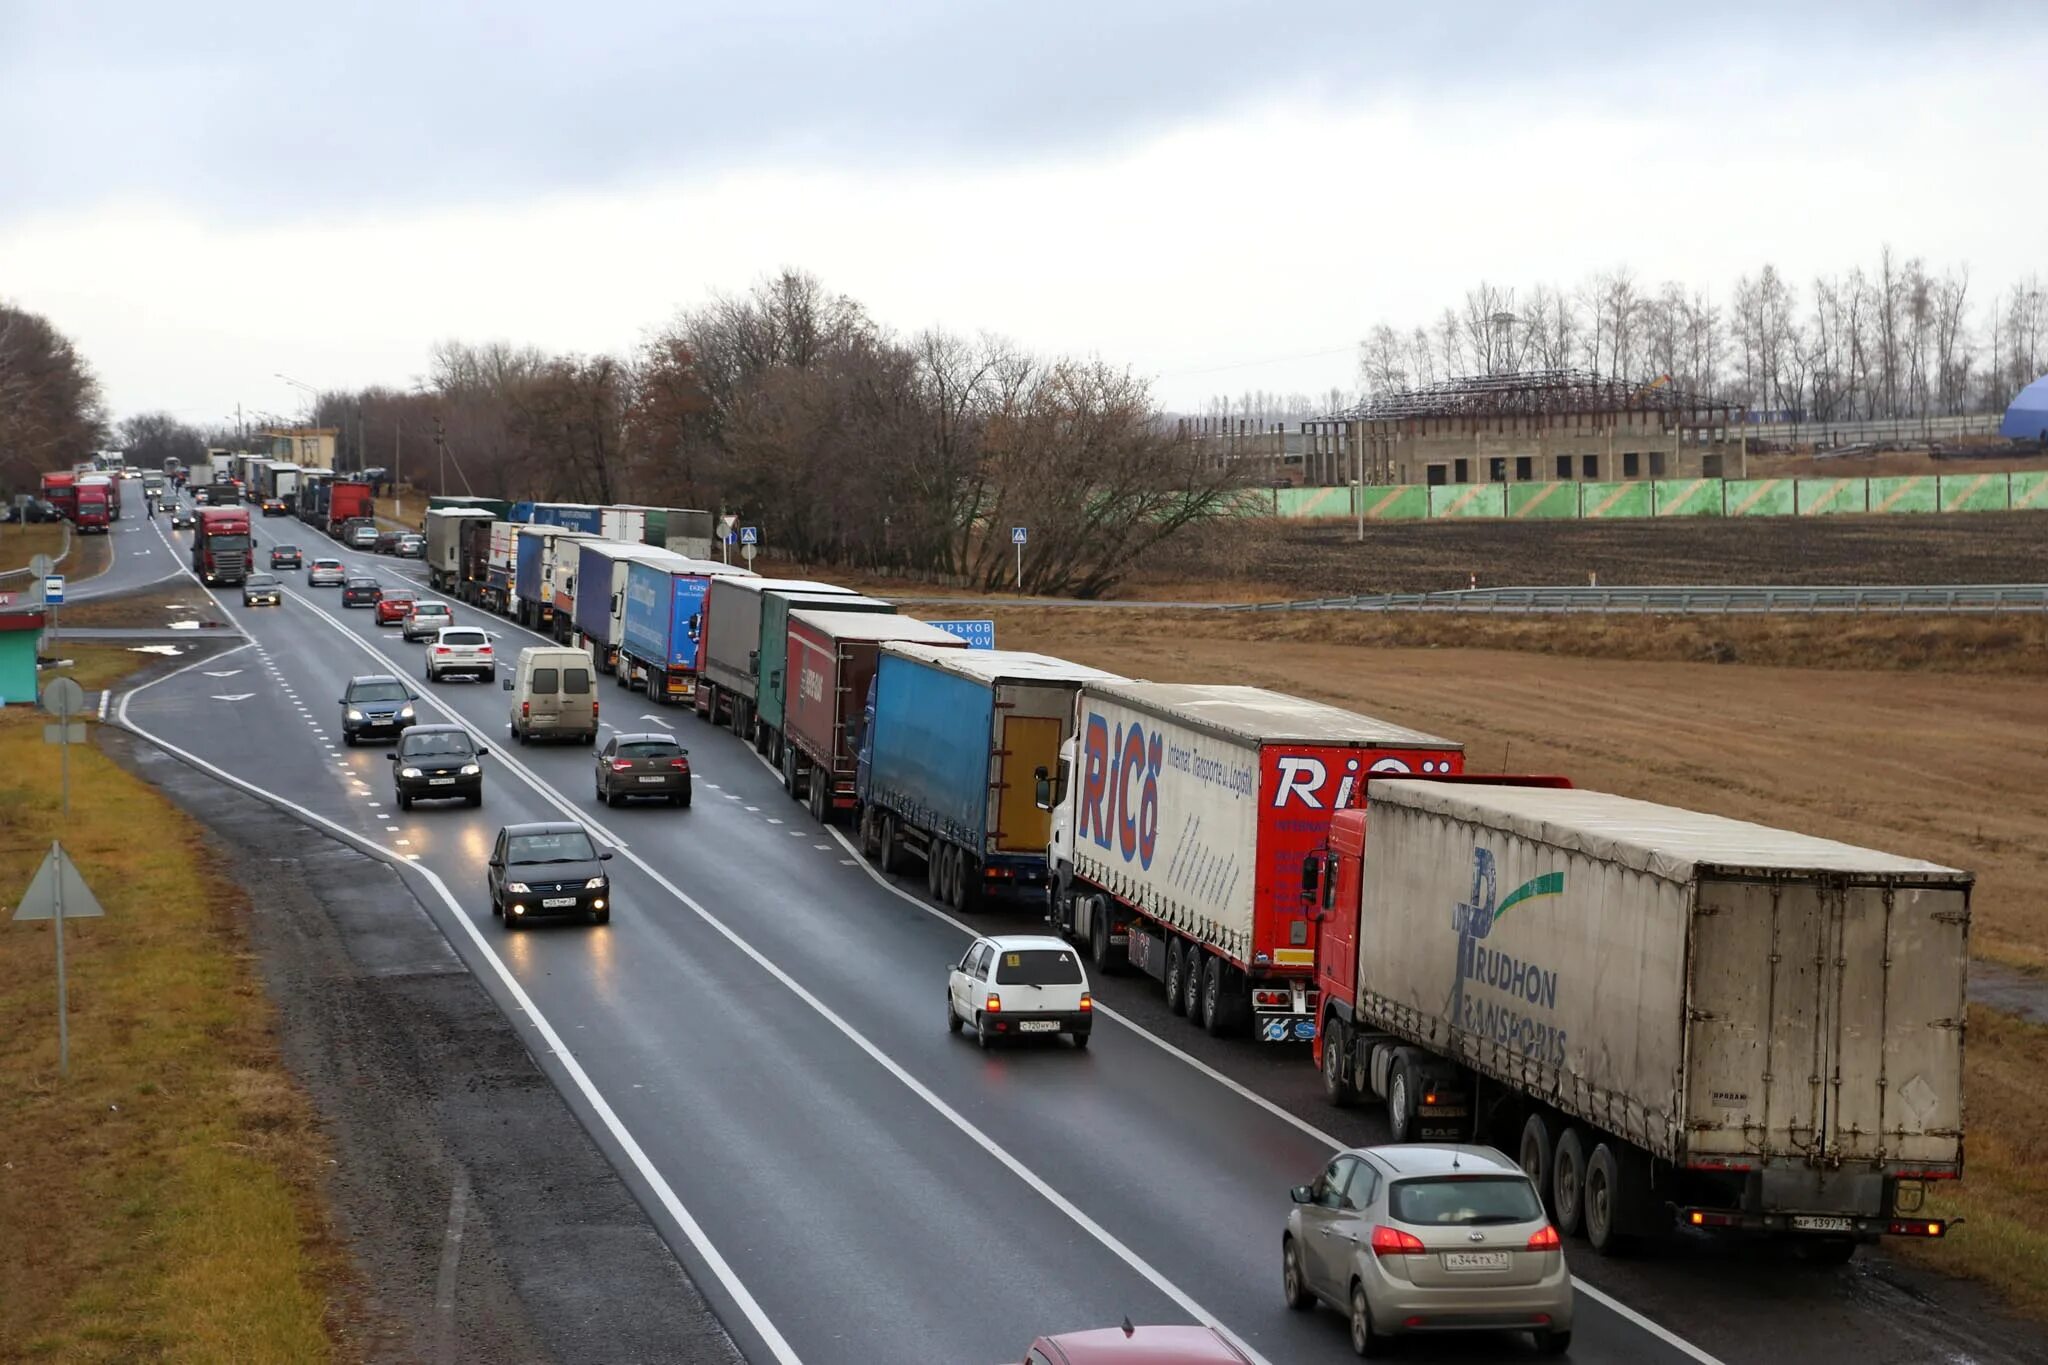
{"points": [[444, 543], [1748, 1027]]}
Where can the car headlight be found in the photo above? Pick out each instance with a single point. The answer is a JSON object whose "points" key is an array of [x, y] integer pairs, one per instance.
{"points": [[405, 713], [410, 772], [470, 770], [594, 884], [517, 888], [354, 714]]}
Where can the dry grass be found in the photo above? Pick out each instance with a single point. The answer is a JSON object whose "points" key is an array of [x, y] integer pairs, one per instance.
{"points": [[90, 555], [172, 1182], [181, 601], [1997, 458], [98, 667]]}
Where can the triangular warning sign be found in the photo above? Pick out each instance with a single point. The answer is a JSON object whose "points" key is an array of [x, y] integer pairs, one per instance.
{"points": [[40, 900]]}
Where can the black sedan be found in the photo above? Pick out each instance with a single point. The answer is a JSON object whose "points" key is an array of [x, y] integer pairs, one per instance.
{"points": [[375, 704], [182, 517], [437, 763], [286, 557], [548, 868], [360, 592], [262, 589]]}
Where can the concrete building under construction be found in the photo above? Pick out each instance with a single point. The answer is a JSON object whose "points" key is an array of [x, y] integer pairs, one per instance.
{"points": [[1522, 428]]}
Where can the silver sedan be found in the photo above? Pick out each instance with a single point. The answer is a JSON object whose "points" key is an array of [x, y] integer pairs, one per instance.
{"points": [[1423, 1239]]}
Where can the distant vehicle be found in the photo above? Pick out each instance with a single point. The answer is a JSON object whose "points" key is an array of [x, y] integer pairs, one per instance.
{"points": [[34, 510], [554, 695], [552, 868], [1018, 984], [375, 704], [461, 649], [182, 517], [1425, 1239], [361, 537], [285, 557], [387, 542], [411, 545], [223, 550], [426, 619], [326, 573], [274, 507], [632, 766], [262, 589], [437, 763], [1127, 1345], [393, 606], [360, 592]]}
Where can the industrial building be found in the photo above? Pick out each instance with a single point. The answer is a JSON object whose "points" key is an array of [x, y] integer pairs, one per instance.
{"points": [[307, 447], [1532, 427]]}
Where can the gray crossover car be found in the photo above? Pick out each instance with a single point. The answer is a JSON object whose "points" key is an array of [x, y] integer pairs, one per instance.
{"points": [[1417, 1239]]}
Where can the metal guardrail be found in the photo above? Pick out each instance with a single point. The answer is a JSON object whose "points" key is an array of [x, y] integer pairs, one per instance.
{"points": [[1964, 598]]}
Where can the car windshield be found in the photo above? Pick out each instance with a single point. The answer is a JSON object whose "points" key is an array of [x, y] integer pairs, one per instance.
{"points": [[390, 689], [1465, 1200], [417, 745], [1038, 967], [567, 846], [260, 580], [285, 550], [432, 609], [651, 748], [326, 563]]}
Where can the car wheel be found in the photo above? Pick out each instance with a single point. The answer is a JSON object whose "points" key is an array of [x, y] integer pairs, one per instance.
{"points": [[1364, 1340], [1336, 1040], [1401, 1099], [1293, 1284], [348, 737], [981, 1033], [1536, 1156], [1553, 1343], [952, 1015], [496, 908], [403, 801], [476, 798], [490, 675], [1081, 1039], [1568, 1182], [1176, 1002]]}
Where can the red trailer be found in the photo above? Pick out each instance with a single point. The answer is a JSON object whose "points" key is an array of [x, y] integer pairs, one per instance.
{"points": [[830, 662], [347, 500], [61, 492], [222, 548]]}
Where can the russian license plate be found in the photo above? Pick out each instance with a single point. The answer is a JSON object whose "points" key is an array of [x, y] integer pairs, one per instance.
{"points": [[653, 779], [440, 782], [1475, 1260], [1807, 1222], [557, 902], [1039, 1026]]}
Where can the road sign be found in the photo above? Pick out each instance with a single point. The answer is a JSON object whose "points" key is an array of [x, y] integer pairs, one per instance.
{"points": [[40, 900], [750, 535], [66, 732], [1019, 534], [748, 551], [53, 589], [63, 698], [41, 566], [977, 634]]}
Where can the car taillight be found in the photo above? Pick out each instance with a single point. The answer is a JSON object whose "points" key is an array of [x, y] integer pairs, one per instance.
{"points": [[1087, 1002], [680, 764], [593, 710], [440, 649], [995, 1003], [622, 765], [483, 649], [1388, 1241], [1918, 1227], [1545, 1239], [525, 709]]}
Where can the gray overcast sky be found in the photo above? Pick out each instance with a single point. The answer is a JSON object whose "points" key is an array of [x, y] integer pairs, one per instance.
{"points": [[1223, 194]]}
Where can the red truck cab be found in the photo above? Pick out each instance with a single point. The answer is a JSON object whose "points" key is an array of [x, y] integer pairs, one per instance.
{"points": [[222, 547], [91, 509], [61, 492], [346, 501]]}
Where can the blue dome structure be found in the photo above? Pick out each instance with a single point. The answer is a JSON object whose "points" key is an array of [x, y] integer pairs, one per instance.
{"points": [[2027, 418]]}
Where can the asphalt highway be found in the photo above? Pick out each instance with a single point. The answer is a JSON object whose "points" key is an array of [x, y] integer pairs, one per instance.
{"points": [[756, 1041]]}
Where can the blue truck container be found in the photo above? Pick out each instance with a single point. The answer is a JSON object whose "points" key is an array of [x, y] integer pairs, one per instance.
{"points": [[950, 747], [532, 572], [520, 513], [601, 573], [661, 627], [576, 516]]}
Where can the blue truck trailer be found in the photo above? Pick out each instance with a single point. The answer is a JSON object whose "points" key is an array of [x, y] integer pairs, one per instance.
{"points": [[661, 625], [601, 572], [951, 746], [533, 571]]}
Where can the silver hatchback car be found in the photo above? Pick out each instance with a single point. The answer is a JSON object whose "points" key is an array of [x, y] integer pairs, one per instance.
{"points": [[1423, 1239]]}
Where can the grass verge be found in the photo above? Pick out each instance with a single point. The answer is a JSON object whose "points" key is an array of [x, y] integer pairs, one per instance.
{"points": [[153, 608], [98, 667], [90, 555], [173, 1181], [2004, 1192]]}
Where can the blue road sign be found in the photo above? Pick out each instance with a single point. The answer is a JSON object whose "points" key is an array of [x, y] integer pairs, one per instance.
{"points": [[53, 590], [732, 537], [977, 634], [1019, 535], [750, 535]]}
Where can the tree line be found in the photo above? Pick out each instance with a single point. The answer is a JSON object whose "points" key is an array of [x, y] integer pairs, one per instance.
{"points": [[51, 416], [1896, 339]]}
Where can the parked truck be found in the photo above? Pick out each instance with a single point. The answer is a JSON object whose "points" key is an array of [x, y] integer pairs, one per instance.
{"points": [[1671, 1017], [348, 499], [831, 659], [732, 644], [92, 508], [533, 571], [444, 544], [1181, 813], [60, 490], [661, 625], [222, 547], [951, 740], [626, 524], [685, 531], [313, 486], [278, 487], [602, 568], [772, 675], [109, 485]]}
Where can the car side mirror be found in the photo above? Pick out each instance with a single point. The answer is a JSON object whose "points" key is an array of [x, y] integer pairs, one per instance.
{"points": [[482, 752], [508, 684], [1042, 791], [605, 856], [1302, 1194], [391, 758]]}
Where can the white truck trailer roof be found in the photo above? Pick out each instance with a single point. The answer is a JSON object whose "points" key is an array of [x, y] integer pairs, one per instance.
{"points": [[1000, 665], [1256, 715]]}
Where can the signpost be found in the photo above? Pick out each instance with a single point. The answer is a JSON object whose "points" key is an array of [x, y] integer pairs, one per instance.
{"points": [[727, 534], [750, 539], [1018, 535], [977, 634], [42, 571], [57, 892]]}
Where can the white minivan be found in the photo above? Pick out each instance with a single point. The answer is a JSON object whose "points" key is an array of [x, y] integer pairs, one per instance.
{"points": [[1015, 985], [554, 695]]}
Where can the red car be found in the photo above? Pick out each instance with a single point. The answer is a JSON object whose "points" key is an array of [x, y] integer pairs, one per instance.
{"points": [[394, 606], [1128, 1345]]}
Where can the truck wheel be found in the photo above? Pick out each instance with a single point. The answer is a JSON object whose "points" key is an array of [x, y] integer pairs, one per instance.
{"points": [[1401, 1082], [1605, 1202], [1535, 1155], [1568, 1182], [1191, 985], [1176, 988], [1336, 1040], [934, 865], [1109, 959], [1221, 992], [821, 803], [886, 853]]}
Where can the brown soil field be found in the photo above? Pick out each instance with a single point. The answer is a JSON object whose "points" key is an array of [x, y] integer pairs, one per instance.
{"points": [[1998, 460], [1940, 765]]}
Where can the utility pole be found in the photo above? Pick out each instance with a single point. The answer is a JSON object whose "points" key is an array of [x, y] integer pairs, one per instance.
{"points": [[441, 450]]}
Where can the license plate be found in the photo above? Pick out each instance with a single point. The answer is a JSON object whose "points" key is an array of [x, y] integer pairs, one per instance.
{"points": [[654, 779], [1039, 1026], [440, 782], [1475, 1260], [1820, 1223], [557, 902]]}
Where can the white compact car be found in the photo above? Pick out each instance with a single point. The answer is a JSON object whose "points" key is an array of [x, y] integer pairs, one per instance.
{"points": [[1016, 985]]}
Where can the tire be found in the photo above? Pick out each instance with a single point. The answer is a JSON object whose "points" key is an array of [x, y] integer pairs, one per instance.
{"points": [[1537, 1156], [476, 798], [934, 855], [953, 1024], [611, 800], [497, 910], [1401, 1093], [1219, 1007], [1193, 972], [1100, 950], [490, 675], [821, 804], [1364, 1340], [1336, 1041], [887, 854], [684, 799], [1081, 1041], [401, 800], [348, 737], [603, 916], [1605, 1202], [981, 1033], [1294, 1290], [965, 886], [1176, 994], [1568, 1183], [1553, 1343]]}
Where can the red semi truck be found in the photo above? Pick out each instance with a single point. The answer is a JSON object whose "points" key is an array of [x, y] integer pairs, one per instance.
{"points": [[222, 548], [110, 487], [61, 492], [347, 500], [91, 507], [1182, 814]]}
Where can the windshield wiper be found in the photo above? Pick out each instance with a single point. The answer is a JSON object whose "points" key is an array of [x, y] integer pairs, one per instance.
{"points": [[539, 862]]}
